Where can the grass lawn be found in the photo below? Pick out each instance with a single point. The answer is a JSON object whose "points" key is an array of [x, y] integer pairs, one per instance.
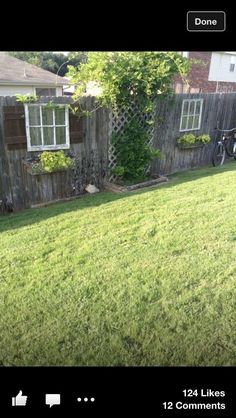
{"points": [[142, 278]]}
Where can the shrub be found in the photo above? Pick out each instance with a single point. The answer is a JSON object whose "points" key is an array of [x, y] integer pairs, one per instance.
{"points": [[133, 152], [118, 170]]}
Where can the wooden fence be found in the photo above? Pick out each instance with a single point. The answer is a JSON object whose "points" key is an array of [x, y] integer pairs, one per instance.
{"points": [[217, 107], [88, 145]]}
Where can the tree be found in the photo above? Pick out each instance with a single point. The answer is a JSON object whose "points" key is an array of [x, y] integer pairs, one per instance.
{"points": [[125, 78], [128, 76], [51, 61]]}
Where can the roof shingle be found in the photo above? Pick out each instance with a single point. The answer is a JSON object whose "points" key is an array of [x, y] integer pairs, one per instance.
{"points": [[16, 71]]}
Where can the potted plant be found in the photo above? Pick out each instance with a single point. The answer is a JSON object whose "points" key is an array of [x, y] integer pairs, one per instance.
{"points": [[49, 162], [188, 141]]}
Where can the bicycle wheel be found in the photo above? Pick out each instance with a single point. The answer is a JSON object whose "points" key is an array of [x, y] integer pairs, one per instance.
{"points": [[234, 150], [218, 157]]}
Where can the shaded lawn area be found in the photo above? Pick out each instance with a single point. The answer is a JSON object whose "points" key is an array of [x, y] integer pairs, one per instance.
{"points": [[142, 278]]}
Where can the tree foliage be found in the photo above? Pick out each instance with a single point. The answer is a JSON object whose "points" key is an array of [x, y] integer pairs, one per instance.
{"points": [[128, 76], [52, 61]]}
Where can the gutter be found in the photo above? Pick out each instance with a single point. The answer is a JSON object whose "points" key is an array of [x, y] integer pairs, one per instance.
{"points": [[32, 83]]}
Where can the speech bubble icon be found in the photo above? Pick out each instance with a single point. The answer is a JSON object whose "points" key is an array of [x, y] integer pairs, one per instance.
{"points": [[53, 399]]}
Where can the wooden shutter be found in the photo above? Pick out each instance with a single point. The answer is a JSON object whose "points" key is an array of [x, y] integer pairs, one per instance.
{"points": [[77, 128], [15, 132], [14, 127]]}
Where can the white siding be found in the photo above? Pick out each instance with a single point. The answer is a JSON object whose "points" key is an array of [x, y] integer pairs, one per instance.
{"points": [[59, 91], [13, 90], [219, 68]]}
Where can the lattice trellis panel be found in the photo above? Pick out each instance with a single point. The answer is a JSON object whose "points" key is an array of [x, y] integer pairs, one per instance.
{"points": [[117, 121]]}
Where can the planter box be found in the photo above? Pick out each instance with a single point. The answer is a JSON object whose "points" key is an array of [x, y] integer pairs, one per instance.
{"points": [[190, 146], [112, 187], [29, 168]]}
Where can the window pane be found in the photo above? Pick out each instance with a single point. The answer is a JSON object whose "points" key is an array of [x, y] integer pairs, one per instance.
{"points": [[61, 135], [60, 116], [185, 107], [190, 122], [47, 116], [184, 122], [35, 136], [48, 136], [195, 122], [45, 92], [34, 115], [191, 107], [198, 107]]}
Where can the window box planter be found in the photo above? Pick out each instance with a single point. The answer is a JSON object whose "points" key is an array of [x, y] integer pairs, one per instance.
{"points": [[191, 141], [30, 168], [191, 146]]}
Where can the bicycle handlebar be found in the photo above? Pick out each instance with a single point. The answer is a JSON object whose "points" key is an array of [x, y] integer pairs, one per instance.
{"points": [[225, 130]]}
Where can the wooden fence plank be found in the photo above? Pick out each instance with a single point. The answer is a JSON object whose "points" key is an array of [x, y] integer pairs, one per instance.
{"points": [[216, 107], [89, 144]]}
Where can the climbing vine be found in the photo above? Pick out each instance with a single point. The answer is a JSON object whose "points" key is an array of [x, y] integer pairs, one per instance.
{"points": [[123, 78]]}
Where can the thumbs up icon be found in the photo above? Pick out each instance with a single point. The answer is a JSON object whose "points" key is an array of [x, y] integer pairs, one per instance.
{"points": [[19, 400]]}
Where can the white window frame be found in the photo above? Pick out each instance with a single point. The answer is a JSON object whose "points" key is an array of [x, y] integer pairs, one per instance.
{"points": [[58, 89], [53, 146], [192, 114], [45, 87]]}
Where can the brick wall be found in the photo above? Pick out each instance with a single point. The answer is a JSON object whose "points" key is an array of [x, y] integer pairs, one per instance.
{"points": [[198, 77]]}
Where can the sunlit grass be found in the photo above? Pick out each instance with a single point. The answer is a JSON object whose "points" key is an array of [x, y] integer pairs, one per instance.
{"points": [[145, 278]]}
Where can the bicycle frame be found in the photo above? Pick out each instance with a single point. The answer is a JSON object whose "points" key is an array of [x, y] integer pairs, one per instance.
{"points": [[226, 138]]}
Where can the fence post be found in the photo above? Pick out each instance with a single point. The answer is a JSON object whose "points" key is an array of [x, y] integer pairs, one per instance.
{"points": [[5, 186]]}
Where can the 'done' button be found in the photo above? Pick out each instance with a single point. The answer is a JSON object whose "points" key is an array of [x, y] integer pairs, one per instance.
{"points": [[206, 21]]}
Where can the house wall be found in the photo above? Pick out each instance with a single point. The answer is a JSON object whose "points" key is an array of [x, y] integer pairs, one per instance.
{"points": [[13, 90], [203, 75], [219, 68]]}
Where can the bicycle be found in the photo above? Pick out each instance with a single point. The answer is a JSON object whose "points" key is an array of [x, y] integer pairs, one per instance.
{"points": [[225, 146]]}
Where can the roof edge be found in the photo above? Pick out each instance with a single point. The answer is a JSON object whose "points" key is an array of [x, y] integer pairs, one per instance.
{"points": [[32, 83]]}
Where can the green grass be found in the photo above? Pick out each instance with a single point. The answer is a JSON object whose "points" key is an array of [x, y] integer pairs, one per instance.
{"points": [[144, 278]]}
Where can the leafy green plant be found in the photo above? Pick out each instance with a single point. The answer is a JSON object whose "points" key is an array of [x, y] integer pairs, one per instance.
{"points": [[187, 139], [205, 138], [49, 162], [53, 161], [79, 111], [26, 98], [118, 170], [124, 76], [51, 105], [133, 153], [190, 139]]}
